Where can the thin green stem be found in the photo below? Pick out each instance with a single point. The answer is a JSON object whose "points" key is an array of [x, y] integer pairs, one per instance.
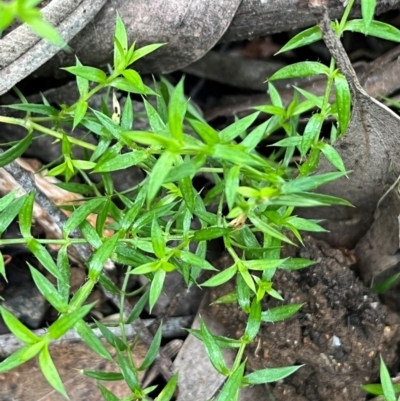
{"points": [[28, 124], [68, 241], [122, 317], [239, 356], [59, 135]]}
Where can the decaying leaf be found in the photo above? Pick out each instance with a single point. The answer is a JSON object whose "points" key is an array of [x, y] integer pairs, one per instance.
{"points": [[370, 150]]}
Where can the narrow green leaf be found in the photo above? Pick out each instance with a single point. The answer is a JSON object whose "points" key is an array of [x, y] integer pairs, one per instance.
{"points": [[143, 51], [195, 260], [148, 138], [122, 37], [16, 151], [90, 234], [230, 391], [153, 350], [176, 112], [333, 156], [263, 264], [107, 394], [89, 73], [188, 193], [43, 256], [24, 354], [99, 258], [82, 189], [229, 298], [157, 239], [158, 174], [221, 277], [108, 284], [222, 342], [2, 267], [229, 133], [91, 340], [311, 132], [213, 350], [7, 199], [231, 185], [307, 183], [25, 216], [168, 391], [367, 12], [156, 287], [248, 279], [81, 213], [48, 290], [130, 376], [210, 233], [121, 162], [255, 136], [134, 79], [17, 328], [82, 83], [106, 376], [110, 337], [300, 70], [123, 84], [280, 313], [127, 114], [304, 38], [234, 154], [208, 134], [35, 108], [386, 284], [186, 169], [243, 293], [306, 225], [376, 28], [138, 308], [79, 113], [267, 229], [296, 263], [155, 120], [275, 96], [270, 109], [376, 389], [343, 102], [387, 386], [318, 199], [270, 375], [254, 321], [68, 321], [311, 163], [49, 371], [109, 124], [102, 217]]}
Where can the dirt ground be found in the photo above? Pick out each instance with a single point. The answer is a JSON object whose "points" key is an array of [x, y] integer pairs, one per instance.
{"points": [[338, 334]]}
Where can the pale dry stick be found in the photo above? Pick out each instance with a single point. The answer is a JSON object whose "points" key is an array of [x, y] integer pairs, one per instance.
{"points": [[27, 182]]}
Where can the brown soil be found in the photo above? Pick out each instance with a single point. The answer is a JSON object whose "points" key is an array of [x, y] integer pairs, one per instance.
{"points": [[338, 334]]}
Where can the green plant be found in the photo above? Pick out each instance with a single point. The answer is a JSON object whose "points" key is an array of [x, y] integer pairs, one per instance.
{"points": [[153, 233], [26, 12], [386, 389]]}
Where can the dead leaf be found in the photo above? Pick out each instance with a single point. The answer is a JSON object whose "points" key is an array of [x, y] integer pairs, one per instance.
{"points": [[370, 150]]}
